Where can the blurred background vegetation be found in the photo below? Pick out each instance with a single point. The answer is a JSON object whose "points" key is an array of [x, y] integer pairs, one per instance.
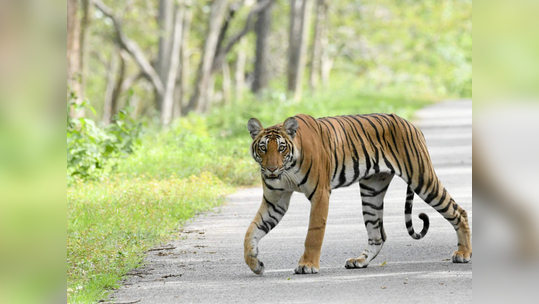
{"points": [[160, 91]]}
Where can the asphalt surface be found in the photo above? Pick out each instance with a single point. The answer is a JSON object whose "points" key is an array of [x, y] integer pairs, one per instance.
{"points": [[207, 264]]}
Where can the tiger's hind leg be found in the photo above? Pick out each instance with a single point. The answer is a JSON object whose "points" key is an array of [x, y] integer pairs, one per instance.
{"points": [[373, 191], [440, 199]]}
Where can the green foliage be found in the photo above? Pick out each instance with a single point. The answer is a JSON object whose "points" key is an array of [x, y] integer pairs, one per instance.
{"points": [[187, 148], [424, 48], [110, 224], [93, 152]]}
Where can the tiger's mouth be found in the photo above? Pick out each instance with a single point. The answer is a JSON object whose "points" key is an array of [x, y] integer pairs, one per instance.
{"points": [[273, 176]]}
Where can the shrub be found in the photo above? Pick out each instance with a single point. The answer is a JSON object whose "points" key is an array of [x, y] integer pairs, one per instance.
{"points": [[93, 152]]}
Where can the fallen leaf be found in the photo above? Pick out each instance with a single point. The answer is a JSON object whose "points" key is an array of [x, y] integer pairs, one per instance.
{"points": [[383, 264], [384, 287]]}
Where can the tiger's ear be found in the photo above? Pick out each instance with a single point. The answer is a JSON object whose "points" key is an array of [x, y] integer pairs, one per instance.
{"points": [[254, 126], [290, 126]]}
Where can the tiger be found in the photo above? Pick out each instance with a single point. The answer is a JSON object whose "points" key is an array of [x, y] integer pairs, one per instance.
{"points": [[314, 156]]}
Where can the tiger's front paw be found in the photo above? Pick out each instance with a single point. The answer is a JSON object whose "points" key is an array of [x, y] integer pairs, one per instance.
{"points": [[255, 264], [306, 268], [462, 256], [356, 263]]}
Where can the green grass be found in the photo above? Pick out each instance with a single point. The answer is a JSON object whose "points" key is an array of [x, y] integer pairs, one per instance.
{"points": [[178, 172], [111, 224]]}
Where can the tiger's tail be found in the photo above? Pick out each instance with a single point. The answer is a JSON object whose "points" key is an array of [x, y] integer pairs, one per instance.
{"points": [[408, 217]]}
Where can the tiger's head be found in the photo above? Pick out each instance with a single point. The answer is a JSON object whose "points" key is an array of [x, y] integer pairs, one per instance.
{"points": [[274, 148]]}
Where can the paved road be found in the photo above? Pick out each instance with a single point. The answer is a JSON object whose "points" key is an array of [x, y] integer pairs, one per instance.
{"points": [[207, 265]]}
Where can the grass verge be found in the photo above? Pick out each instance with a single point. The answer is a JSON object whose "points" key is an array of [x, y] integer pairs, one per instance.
{"points": [[112, 223]]}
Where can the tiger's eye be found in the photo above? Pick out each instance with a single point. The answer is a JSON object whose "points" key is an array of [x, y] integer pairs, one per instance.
{"points": [[282, 148]]}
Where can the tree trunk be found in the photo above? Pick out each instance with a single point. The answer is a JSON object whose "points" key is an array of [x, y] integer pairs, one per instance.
{"points": [[184, 73], [199, 98], [227, 86], [168, 100], [73, 55], [111, 81], [262, 30], [325, 61], [119, 85], [327, 64], [240, 70], [85, 23], [319, 33], [165, 21], [300, 12]]}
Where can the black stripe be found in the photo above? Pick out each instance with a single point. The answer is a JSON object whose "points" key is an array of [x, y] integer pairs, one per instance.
{"points": [[407, 208], [409, 225], [311, 196], [270, 187], [281, 212], [373, 206], [375, 193], [443, 210], [368, 213], [306, 177], [441, 201], [374, 222], [366, 187]]}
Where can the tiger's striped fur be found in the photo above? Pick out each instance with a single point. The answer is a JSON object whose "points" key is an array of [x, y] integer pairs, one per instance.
{"points": [[314, 156]]}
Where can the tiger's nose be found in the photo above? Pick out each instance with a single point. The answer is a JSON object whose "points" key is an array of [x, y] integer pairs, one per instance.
{"points": [[272, 169]]}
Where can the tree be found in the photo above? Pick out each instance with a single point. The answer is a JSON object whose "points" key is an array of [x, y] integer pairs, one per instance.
{"points": [[319, 44], [168, 100], [262, 30], [297, 47], [109, 105], [182, 80], [73, 54], [165, 21], [199, 98]]}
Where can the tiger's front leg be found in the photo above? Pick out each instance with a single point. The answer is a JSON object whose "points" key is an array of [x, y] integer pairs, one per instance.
{"points": [[273, 208], [309, 262]]}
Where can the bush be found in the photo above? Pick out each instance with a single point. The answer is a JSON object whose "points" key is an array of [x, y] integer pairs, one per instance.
{"points": [[93, 152]]}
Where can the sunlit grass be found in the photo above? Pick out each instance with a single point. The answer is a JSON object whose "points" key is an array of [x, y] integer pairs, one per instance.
{"points": [[111, 223]]}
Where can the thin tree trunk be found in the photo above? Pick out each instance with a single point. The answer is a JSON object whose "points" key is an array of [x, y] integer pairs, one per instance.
{"points": [[319, 32], [73, 54], [184, 73], [84, 25], [240, 70], [168, 100], [119, 85], [211, 94], [227, 85], [199, 98], [325, 62], [111, 81], [299, 32], [166, 22], [262, 30]]}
